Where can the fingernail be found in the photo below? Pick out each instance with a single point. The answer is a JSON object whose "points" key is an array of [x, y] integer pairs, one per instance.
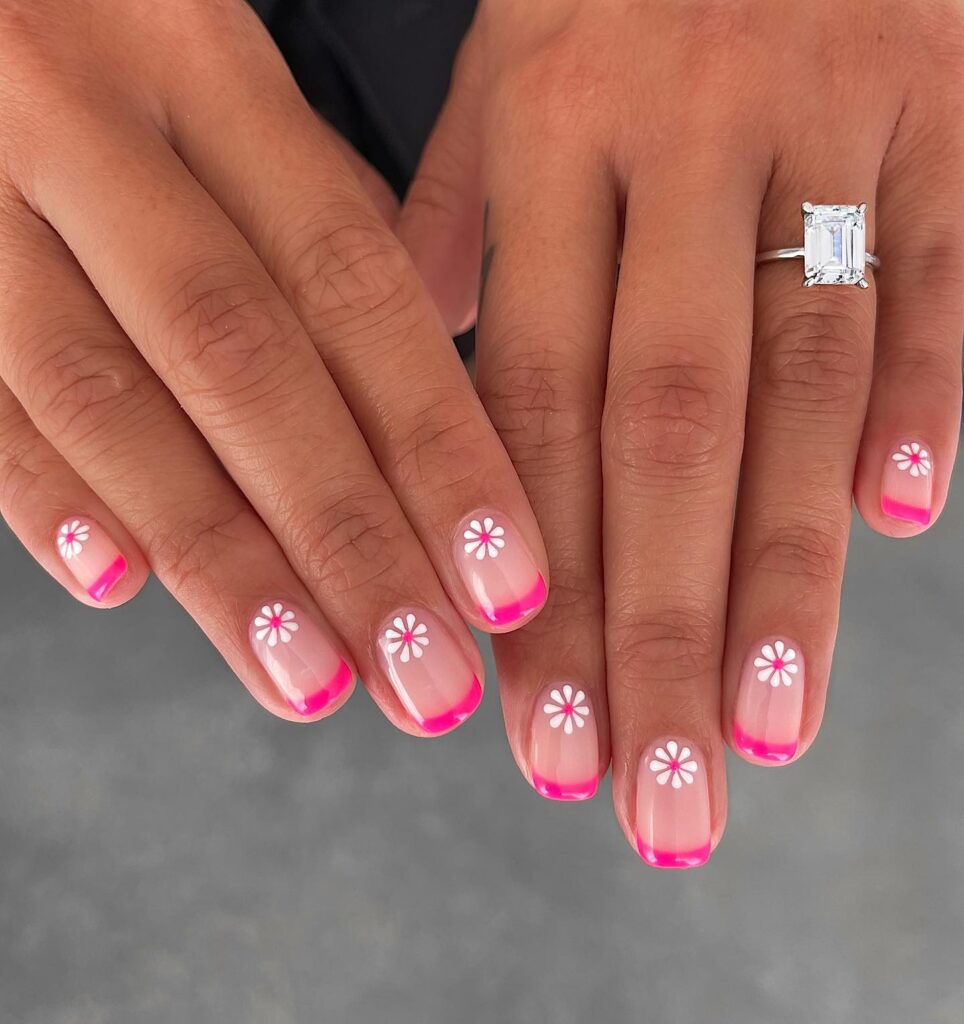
{"points": [[673, 805], [564, 749], [296, 651], [92, 557], [428, 670], [498, 569], [769, 703], [907, 483]]}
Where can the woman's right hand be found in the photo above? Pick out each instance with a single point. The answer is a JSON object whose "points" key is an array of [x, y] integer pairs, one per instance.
{"points": [[218, 362]]}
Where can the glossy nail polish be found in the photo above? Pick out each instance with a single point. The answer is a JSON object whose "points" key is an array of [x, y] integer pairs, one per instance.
{"points": [[907, 483], [299, 656], [92, 557], [564, 748], [426, 666], [673, 805], [498, 569], [769, 702]]}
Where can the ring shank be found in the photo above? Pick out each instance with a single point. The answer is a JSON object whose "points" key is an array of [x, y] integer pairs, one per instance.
{"points": [[797, 254]]}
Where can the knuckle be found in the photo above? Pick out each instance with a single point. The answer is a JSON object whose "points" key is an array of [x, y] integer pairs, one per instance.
{"points": [[671, 416], [352, 539], [668, 644], [935, 373], [220, 330], [817, 358], [812, 551], [186, 545]]}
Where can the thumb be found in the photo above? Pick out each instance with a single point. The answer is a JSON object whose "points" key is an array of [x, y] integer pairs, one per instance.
{"points": [[441, 218]]}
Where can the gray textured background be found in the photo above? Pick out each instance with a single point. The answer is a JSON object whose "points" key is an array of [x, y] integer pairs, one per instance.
{"points": [[170, 853]]}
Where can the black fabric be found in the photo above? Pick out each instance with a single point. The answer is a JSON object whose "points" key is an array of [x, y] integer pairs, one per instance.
{"points": [[378, 70]]}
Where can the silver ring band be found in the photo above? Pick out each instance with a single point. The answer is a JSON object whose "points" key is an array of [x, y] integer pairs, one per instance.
{"points": [[798, 254]]}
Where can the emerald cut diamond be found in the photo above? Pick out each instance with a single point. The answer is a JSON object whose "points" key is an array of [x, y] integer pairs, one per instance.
{"points": [[834, 244]]}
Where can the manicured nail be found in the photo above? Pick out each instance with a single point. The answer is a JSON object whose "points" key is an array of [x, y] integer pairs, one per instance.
{"points": [[88, 552], [431, 675], [300, 657], [499, 570], [907, 483], [564, 749], [673, 806], [769, 702]]}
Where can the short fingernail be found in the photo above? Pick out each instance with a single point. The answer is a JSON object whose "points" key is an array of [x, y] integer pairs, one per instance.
{"points": [[673, 805], [769, 702], [498, 569], [300, 657], [426, 666], [907, 483], [92, 557], [564, 748]]}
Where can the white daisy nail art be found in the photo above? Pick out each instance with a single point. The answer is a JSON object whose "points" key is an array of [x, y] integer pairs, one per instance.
{"points": [[276, 623], [484, 538], [566, 707], [912, 458], [409, 636], [777, 664], [72, 538], [674, 765]]}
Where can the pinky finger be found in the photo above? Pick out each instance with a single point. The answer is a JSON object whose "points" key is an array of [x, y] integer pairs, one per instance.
{"points": [[60, 520], [913, 421]]}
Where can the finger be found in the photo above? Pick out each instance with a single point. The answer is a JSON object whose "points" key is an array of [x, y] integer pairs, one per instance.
{"points": [[671, 442], [810, 377], [542, 347], [441, 219], [354, 288], [913, 422], [60, 520], [210, 321], [87, 390]]}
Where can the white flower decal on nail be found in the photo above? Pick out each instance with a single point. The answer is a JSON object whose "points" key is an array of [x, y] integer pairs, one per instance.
{"points": [[777, 664], [914, 458], [484, 538], [565, 708], [72, 538], [276, 623], [674, 764], [409, 636]]}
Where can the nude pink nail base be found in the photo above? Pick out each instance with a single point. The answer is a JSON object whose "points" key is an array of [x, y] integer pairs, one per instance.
{"points": [[673, 827], [428, 670], [91, 555], [769, 701], [563, 743], [906, 485], [300, 656], [498, 569]]}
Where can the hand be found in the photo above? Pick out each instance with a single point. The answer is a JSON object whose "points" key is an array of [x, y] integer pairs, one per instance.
{"points": [[219, 362], [685, 136]]}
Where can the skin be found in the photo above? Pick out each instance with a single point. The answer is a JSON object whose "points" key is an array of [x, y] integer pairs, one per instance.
{"points": [[213, 344], [677, 139]]}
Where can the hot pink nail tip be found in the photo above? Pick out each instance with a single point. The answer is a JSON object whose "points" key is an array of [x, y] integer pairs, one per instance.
{"points": [[775, 753], [316, 702], [673, 858], [564, 790], [456, 715], [901, 510], [106, 582], [507, 614]]}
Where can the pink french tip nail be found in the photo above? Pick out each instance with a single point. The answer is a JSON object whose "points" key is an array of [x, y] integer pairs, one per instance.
{"points": [[673, 805], [498, 569], [907, 483], [427, 668], [299, 656], [92, 557], [769, 702], [564, 747]]}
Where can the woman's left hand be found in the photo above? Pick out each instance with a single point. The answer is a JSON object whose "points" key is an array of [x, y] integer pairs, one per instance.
{"points": [[677, 140]]}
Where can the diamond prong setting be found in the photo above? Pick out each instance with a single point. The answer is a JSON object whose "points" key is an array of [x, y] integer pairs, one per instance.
{"points": [[834, 244]]}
